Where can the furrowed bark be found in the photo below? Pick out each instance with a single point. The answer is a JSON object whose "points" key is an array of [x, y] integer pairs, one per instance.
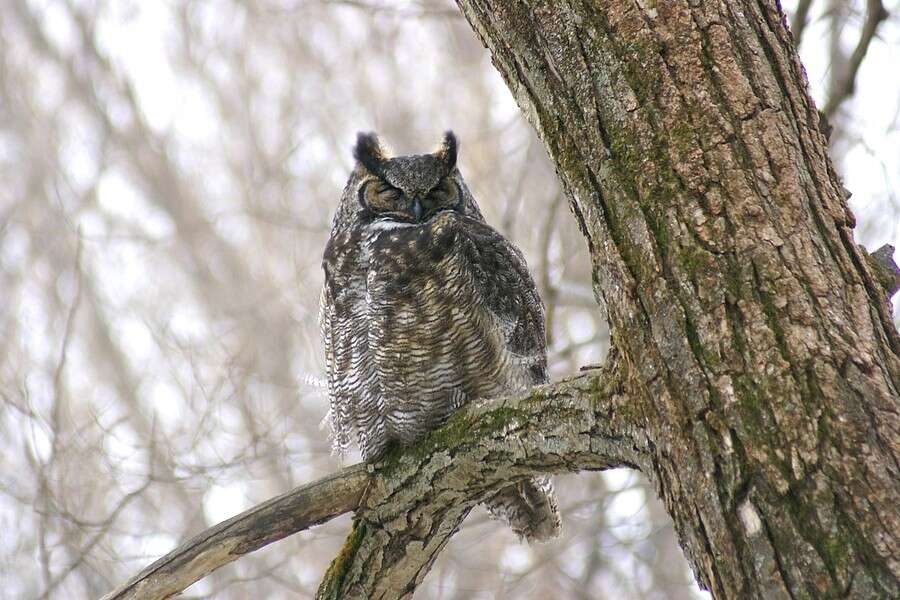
{"points": [[723, 249]]}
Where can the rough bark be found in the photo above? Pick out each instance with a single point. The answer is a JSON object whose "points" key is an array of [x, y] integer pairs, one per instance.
{"points": [[420, 495]]}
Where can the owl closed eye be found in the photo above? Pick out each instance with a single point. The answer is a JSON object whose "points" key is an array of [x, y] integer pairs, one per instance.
{"points": [[444, 196], [383, 199]]}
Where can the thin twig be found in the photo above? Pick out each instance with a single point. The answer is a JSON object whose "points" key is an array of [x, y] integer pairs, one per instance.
{"points": [[95, 539], [544, 277], [43, 467], [800, 21], [64, 352], [421, 10], [846, 85]]}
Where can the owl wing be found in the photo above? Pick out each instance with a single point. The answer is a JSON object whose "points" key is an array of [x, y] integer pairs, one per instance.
{"points": [[501, 277], [337, 421]]}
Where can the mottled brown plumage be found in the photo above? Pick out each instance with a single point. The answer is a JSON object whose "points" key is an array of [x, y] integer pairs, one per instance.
{"points": [[426, 307]]}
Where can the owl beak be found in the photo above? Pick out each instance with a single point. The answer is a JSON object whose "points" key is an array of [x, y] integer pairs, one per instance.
{"points": [[416, 209]]}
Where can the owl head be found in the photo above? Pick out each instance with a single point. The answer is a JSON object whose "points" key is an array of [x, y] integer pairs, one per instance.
{"points": [[404, 189]]}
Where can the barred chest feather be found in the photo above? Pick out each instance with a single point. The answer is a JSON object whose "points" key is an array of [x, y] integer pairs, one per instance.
{"points": [[417, 336]]}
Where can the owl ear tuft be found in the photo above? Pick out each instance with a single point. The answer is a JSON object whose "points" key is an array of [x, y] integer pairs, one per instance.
{"points": [[368, 151], [448, 149]]}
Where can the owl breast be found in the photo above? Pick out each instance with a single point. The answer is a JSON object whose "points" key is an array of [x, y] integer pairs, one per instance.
{"points": [[430, 316]]}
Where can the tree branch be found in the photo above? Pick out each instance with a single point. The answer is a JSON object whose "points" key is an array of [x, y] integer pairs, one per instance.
{"points": [[297, 510], [846, 85], [800, 21], [420, 494]]}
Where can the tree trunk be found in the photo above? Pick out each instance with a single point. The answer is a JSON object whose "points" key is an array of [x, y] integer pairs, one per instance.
{"points": [[755, 366]]}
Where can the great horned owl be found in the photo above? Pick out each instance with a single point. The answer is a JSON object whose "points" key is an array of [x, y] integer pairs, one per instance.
{"points": [[425, 307]]}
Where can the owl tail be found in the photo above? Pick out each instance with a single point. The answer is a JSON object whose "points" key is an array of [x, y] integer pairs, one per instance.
{"points": [[529, 507]]}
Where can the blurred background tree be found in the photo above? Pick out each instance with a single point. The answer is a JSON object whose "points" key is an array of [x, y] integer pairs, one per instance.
{"points": [[169, 172]]}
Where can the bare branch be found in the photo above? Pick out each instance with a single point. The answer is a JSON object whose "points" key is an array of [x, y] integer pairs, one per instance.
{"points": [[548, 291], [417, 10], [846, 85], [95, 539], [297, 510], [800, 21]]}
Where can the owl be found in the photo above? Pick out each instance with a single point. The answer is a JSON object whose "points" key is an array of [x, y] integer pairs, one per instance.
{"points": [[426, 307]]}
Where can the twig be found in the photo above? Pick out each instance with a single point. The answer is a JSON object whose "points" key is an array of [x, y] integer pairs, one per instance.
{"points": [[55, 416], [800, 21], [846, 85], [544, 278], [95, 539], [419, 11]]}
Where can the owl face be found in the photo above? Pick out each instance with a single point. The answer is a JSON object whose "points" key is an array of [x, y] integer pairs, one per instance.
{"points": [[407, 189]]}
